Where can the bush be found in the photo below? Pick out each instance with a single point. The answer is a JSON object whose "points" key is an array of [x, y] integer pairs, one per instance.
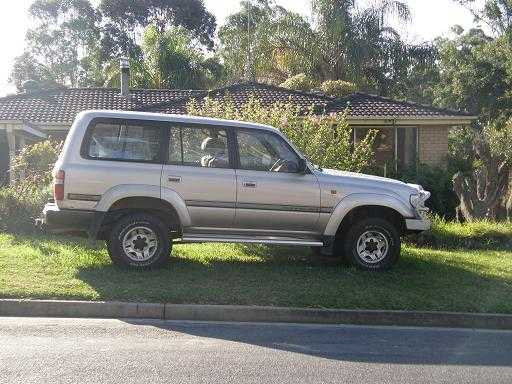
{"points": [[300, 82], [326, 140], [19, 211], [338, 88], [33, 166], [439, 182], [21, 204]]}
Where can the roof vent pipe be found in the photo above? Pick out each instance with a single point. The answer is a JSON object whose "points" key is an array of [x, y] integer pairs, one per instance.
{"points": [[124, 64]]}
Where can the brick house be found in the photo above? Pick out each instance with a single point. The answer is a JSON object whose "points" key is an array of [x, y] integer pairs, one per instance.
{"points": [[408, 132]]}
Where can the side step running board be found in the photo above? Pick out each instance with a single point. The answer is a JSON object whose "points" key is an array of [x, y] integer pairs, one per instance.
{"points": [[208, 238]]}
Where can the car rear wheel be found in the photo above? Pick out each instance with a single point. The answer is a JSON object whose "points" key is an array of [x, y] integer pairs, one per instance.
{"points": [[140, 241], [372, 244]]}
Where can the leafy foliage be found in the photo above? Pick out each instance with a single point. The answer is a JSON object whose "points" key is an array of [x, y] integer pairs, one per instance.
{"points": [[22, 202], [169, 59], [439, 182], [475, 74], [35, 162], [338, 88], [300, 82], [19, 211], [345, 42], [73, 43], [163, 14], [325, 140]]}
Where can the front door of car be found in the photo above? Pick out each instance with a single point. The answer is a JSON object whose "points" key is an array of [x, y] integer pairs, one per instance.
{"points": [[199, 169], [272, 194]]}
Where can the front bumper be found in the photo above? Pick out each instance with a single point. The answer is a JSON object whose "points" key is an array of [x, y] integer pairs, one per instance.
{"points": [[417, 225], [68, 220]]}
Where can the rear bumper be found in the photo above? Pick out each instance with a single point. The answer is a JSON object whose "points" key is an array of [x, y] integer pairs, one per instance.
{"points": [[69, 220], [417, 225]]}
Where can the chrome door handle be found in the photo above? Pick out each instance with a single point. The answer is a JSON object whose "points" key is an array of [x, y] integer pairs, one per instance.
{"points": [[174, 179], [249, 184]]}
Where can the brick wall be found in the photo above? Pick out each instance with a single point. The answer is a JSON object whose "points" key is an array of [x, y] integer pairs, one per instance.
{"points": [[433, 144]]}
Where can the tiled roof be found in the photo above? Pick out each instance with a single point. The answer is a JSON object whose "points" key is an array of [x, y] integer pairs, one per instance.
{"points": [[61, 106], [371, 106]]}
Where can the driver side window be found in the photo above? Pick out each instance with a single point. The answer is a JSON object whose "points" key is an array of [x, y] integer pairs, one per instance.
{"points": [[265, 151]]}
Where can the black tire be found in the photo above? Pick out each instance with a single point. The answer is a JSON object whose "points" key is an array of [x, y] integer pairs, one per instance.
{"points": [[382, 244], [143, 228]]}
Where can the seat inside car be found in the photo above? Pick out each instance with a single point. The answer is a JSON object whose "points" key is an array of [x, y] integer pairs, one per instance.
{"points": [[215, 153]]}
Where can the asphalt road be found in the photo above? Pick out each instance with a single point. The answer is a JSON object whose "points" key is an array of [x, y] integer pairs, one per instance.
{"points": [[133, 351]]}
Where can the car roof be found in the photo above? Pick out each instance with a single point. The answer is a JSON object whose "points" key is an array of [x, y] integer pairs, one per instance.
{"points": [[92, 114]]}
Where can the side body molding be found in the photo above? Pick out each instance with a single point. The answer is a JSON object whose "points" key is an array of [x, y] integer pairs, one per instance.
{"points": [[139, 190], [355, 200]]}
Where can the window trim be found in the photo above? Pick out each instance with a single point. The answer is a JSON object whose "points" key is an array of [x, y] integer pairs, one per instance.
{"points": [[86, 141], [229, 134], [238, 163]]}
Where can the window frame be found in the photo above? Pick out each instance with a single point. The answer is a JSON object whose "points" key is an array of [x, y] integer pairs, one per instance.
{"points": [[279, 137], [86, 141], [180, 124]]}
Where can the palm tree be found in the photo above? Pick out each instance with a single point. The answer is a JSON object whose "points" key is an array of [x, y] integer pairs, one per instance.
{"points": [[343, 41], [169, 59]]}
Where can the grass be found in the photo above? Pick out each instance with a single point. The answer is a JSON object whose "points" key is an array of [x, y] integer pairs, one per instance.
{"points": [[447, 279], [473, 235]]}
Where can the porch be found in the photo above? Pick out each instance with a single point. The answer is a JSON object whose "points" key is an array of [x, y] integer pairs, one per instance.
{"points": [[14, 135]]}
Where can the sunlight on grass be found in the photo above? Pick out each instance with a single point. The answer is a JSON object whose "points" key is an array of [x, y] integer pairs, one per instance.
{"points": [[424, 279]]}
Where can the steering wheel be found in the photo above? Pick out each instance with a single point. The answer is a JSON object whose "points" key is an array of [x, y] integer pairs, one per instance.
{"points": [[277, 164]]}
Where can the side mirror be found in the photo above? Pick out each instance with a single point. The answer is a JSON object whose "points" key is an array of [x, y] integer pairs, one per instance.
{"points": [[302, 166]]}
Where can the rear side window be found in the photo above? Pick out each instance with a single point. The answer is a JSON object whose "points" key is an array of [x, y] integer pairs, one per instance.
{"points": [[205, 147], [124, 141]]}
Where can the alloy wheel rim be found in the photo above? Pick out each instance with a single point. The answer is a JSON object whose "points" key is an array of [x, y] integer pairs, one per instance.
{"points": [[140, 244], [372, 247]]}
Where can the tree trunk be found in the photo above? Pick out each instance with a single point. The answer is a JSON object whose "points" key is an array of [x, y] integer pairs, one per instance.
{"points": [[481, 192]]}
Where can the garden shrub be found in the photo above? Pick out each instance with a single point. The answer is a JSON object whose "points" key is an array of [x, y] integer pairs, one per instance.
{"points": [[300, 82], [338, 88], [439, 182], [32, 167], [19, 210], [22, 202]]}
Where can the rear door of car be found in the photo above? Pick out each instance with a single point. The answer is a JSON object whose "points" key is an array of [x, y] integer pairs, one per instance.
{"points": [[199, 167]]}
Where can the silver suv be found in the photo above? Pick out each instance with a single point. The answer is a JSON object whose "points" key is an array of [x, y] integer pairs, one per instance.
{"points": [[144, 181]]}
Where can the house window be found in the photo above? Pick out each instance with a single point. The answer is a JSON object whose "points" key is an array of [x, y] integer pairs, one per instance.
{"points": [[395, 147]]}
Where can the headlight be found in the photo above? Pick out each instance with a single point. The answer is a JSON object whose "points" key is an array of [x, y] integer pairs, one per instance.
{"points": [[418, 200]]}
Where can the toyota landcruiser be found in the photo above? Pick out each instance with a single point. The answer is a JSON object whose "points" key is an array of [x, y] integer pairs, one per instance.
{"points": [[143, 181]]}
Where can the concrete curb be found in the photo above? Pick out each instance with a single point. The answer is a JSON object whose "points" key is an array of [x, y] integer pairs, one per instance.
{"points": [[98, 309]]}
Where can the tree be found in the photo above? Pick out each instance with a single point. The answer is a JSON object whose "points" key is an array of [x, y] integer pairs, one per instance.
{"points": [[495, 14], [74, 43], [345, 42], [169, 59], [476, 75], [64, 32], [481, 190], [126, 17]]}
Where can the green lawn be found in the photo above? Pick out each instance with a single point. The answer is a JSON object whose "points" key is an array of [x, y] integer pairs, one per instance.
{"points": [[424, 279]]}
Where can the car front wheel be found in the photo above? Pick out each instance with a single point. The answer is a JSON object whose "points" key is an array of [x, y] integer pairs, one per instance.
{"points": [[372, 244], [139, 241]]}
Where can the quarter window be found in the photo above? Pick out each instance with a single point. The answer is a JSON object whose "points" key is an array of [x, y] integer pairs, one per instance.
{"points": [[199, 147], [124, 141], [264, 151]]}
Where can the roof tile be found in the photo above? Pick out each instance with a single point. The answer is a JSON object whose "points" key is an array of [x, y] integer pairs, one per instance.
{"points": [[61, 106]]}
